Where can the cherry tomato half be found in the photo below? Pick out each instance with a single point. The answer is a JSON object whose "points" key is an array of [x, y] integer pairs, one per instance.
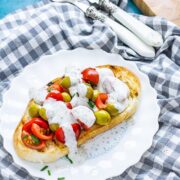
{"points": [[101, 100], [90, 75], [60, 133], [85, 127], [39, 121], [41, 133], [68, 105], [28, 141], [56, 87], [55, 95]]}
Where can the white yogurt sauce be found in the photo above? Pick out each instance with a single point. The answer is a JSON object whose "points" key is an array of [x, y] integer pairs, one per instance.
{"points": [[77, 101], [38, 94], [103, 73], [70, 138], [84, 114], [57, 112], [74, 73], [121, 106], [81, 89], [117, 87]]}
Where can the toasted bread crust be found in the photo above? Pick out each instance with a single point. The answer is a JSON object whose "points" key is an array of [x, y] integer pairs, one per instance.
{"points": [[56, 150]]}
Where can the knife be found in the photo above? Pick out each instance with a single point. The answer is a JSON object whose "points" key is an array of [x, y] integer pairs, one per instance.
{"points": [[123, 33], [145, 33]]}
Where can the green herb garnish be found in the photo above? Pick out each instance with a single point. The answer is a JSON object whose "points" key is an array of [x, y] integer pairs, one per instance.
{"points": [[91, 104], [25, 137], [49, 172], [61, 178], [45, 167], [35, 139], [76, 94], [50, 89], [67, 157]]}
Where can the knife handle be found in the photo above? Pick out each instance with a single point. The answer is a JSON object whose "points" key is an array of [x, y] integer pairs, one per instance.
{"points": [[145, 33], [123, 33]]}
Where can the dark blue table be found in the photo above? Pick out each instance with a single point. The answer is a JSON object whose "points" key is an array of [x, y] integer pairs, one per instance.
{"points": [[8, 6]]}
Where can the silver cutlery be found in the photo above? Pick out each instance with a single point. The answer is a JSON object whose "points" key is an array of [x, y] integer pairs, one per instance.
{"points": [[123, 33], [145, 33]]}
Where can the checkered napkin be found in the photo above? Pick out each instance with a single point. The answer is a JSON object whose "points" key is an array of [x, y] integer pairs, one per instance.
{"points": [[47, 27]]}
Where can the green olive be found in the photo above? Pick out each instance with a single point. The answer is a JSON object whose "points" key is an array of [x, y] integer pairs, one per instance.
{"points": [[66, 82], [95, 95], [89, 93], [66, 97], [34, 110], [102, 117], [54, 126], [42, 113], [111, 109]]}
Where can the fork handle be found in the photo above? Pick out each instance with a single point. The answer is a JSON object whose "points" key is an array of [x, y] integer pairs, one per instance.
{"points": [[145, 33]]}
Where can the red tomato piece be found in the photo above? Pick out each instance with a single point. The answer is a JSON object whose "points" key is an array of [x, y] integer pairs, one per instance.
{"points": [[85, 127], [57, 87], [55, 95], [39, 121], [60, 133], [77, 129], [27, 140], [41, 133], [90, 75], [68, 104], [101, 100]]}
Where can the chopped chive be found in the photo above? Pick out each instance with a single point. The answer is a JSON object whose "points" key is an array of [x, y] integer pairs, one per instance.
{"points": [[76, 94], [35, 139], [91, 104], [50, 89], [25, 137], [45, 167], [50, 83], [61, 178], [70, 160], [49, 172]]}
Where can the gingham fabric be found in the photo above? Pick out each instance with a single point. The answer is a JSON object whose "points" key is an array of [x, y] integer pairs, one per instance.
{"points": [[47, 27]]}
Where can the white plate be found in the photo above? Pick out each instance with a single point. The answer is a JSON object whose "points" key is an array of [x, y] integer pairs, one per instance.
{"points": [[130, 144]]}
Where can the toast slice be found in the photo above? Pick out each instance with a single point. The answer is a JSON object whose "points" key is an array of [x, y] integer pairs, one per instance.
{"points": [[54, 149]]}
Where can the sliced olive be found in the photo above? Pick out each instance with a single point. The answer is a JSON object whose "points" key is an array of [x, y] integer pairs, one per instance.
{"points": [[95, 95], [66, 82], [34, 110], [66, 97], [102, 117], [54, 126], [89, 93], [42, 113], [110, 108]]}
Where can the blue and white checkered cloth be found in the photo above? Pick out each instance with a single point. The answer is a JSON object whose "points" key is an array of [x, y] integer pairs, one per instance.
{"points": [[47, 27]]}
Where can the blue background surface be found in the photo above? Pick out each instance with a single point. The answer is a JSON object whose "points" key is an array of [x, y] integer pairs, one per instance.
{"points": [[8, 6]]}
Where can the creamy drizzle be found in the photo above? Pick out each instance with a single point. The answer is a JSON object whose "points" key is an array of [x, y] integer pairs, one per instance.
{"points": [[74, 73], [81, 89], [57, 112], [103, 73], [116, 89], [84, 114], [79, 101], [38, 94]]}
